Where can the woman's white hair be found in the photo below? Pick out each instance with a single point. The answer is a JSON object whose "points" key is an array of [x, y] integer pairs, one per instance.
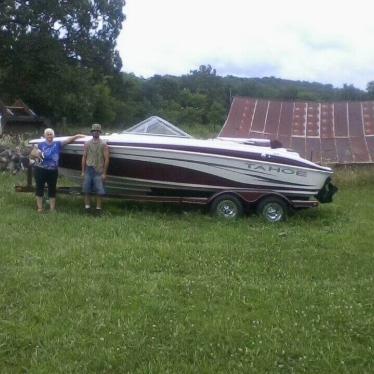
{"points": [[49, 130]]}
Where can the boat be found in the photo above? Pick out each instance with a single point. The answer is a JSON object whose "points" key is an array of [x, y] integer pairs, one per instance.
{"points": [[154, 158]]}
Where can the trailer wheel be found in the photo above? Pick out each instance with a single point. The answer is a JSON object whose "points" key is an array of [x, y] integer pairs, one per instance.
{"points": [[226, 206], [272, 209]]}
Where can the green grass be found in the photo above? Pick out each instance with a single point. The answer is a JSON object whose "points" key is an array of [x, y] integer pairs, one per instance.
{"points": [[158, 289]]}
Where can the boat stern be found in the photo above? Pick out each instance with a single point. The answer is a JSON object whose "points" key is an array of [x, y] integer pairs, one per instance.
{"points": [[327, 192]]}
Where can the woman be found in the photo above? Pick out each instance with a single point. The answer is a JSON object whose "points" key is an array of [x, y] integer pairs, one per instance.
{"points": [[46, 170]]}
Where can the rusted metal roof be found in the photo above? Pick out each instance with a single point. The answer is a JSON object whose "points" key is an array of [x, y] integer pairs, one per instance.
{"points": [[326, 133]]}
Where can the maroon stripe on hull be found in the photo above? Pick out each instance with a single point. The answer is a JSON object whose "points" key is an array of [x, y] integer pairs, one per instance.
{"points": [[250, 156], [136, 169], [154, 171]]}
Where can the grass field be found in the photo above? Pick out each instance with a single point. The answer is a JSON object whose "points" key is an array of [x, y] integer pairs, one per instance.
{"points": [[156, 289]]}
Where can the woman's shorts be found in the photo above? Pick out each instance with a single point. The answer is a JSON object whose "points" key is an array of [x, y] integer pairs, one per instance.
{"points": [[93, 182], [45, 176]]}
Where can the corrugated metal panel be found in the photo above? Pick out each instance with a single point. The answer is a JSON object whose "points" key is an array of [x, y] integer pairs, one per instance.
{"points": [[328, 133]]}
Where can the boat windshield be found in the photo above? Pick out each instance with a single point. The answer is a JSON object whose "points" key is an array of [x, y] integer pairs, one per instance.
{"points": [[156, 126]]}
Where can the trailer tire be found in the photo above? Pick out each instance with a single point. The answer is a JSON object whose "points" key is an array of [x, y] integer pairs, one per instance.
{"points": [[227, 206], [272, 209]]}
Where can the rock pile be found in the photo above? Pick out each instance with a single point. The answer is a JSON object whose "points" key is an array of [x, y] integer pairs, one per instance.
{"points": [[13, 160], [14, 154]]}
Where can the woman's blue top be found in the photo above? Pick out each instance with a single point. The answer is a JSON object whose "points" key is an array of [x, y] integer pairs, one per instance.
{"points": [[51, 154]]}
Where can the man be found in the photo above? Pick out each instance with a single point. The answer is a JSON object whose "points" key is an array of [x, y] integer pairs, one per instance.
{"points": [[95, 162]]}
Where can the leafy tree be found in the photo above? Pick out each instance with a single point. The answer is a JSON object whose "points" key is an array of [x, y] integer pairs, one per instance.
{"points": [[45, 45], [217, 114], [370, 89], [131, 106], [307, 96], [289, 93], [350, 92]]}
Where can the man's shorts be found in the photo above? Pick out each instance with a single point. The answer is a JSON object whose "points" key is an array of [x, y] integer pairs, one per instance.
{"points": [[93, 182]]}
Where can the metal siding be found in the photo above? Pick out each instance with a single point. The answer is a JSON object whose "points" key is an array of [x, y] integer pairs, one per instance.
{"points": [[355, 120], [299, 120], [359, 149], [339, 132], [285, 122], [260, 116], [340, 119], [298, 145], [272, 119], [370, 144], [313, 150], [329, 154], [368, 117], [343, 149]]}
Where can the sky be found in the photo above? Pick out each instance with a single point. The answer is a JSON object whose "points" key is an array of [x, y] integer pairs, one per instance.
{"points": [[325, 41]]}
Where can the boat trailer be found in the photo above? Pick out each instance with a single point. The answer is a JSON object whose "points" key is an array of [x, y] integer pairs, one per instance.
{"points": [[229, 204]]}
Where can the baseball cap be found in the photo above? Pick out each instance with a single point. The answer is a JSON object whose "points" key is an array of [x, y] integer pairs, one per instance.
{"points": [[96, 127]]}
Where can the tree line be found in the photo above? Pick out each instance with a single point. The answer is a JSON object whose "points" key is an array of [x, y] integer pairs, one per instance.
{"points": [[60, 57]]}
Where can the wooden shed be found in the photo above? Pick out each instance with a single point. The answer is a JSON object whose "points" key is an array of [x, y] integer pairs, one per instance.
{"points": [[18, 119]]}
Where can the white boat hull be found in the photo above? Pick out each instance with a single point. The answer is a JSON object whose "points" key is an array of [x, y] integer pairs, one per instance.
{"points": [[177, 169]]}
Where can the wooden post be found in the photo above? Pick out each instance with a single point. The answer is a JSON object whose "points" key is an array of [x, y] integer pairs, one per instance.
{"points": [[29, 176]]}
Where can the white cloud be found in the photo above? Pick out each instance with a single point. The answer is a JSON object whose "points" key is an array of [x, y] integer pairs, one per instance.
{"points": [[324, 41]]}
